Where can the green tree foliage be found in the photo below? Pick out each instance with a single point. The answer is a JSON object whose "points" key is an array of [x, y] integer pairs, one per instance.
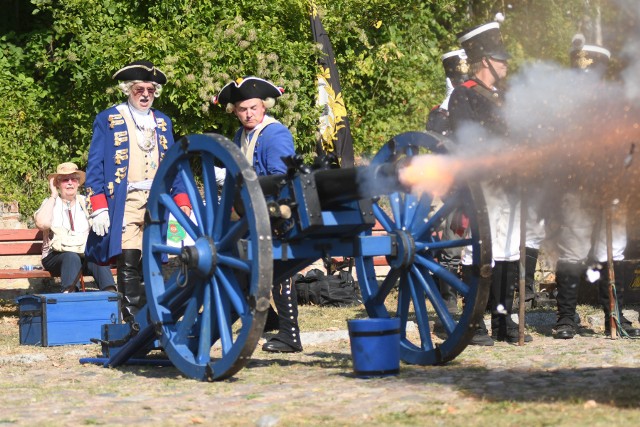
{"points": [[57, 58]]}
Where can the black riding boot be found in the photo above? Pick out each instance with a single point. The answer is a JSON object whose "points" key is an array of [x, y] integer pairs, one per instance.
{"points": [[272, 323], [130, 283], [603, 299], [530, 272], [481, 336], [568, 275], [287, 340], [504, 280]]}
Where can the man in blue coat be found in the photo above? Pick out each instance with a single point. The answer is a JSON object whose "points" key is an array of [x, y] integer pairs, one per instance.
{"points": [[265, 142], [129, 141]]}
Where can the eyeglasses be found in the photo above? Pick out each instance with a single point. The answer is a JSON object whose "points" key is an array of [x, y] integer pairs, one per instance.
{"points": [[68, 178], [140, 90]]}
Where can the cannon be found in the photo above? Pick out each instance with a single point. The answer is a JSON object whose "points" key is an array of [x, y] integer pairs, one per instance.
{"points": [[209, 313]]}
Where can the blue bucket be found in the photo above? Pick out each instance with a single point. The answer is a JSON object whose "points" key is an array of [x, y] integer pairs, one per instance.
{"points": [[375, 347]]}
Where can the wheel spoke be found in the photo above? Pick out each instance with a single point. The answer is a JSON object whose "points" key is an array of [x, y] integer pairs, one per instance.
{"points": [[449, 205], [158, 248], [210, 192], [395, 200], [223, 320], [233, 234], [404, 301], [430, 288], [421, 214], [410, 207], [186, 223], [388, 284], [421, 313], [443, 244], [189, 317], [383, 219], [225, 208], [236, 263], [232, 290], [444, 274], [192, 192], [204, 343]]}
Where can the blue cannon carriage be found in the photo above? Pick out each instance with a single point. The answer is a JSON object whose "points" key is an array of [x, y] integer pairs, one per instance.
{"points": [[210, 313]]}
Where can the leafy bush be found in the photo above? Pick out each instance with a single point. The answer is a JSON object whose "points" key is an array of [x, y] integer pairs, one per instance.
{"points": [[58, 66]]}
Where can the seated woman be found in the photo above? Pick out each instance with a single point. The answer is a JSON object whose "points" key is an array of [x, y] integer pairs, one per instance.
{"points": [[64, 219]]}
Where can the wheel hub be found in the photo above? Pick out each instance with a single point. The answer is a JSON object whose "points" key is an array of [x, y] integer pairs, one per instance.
{"points": [[406, 250], [201, 257]]}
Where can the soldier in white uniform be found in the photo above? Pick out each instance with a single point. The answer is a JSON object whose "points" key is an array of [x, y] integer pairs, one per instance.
{"points": [[582, 235]]}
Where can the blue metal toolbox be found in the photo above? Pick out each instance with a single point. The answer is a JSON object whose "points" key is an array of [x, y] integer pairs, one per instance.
{"points": [[61, 319]]}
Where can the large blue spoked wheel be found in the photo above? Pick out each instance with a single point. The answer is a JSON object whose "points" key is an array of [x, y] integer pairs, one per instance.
{"points": [[209, 302], [431, 333]]}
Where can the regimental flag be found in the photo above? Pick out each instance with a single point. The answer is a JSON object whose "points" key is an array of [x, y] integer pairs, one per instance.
{"points": [[334, 130]]}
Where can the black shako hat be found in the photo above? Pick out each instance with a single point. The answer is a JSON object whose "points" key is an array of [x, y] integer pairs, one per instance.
{"points": [[455, 65], [140, 70], [483, 41], [247, 88], [587, 56]]}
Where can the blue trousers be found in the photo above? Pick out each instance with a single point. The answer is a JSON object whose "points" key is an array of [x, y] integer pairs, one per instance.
{"points": [[68, 264]]}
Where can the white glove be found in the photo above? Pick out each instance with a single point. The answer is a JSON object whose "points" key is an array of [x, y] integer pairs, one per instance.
{"points": [[100, 224]]}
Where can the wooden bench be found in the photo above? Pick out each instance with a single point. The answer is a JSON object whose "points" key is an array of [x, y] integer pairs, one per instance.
{"points": [[21, 243]]}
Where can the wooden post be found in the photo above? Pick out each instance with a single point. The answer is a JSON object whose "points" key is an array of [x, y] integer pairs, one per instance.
{"points": [[611, 276], [523, 266]]}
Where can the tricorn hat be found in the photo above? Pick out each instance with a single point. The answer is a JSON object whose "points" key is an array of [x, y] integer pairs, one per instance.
{"points": [[68, 168], [247, 88], [483, 41], [586, 56], [455, 65], [141, 70]]}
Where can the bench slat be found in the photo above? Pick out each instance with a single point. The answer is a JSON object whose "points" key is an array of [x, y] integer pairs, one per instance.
{"points": [[21, 274], [28, 234], [21, 248], [15, 273]]}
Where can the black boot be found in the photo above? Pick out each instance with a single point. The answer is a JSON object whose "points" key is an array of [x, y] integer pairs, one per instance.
{"points": [[481, 336], [130, 283], [504, 281], [530, 272], [287, 340], [272, 323], [568, 275], [603, 299]]}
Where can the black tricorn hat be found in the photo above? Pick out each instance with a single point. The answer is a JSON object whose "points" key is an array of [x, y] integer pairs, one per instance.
{"points": [[455, 65], [140, 70], [247, 88], [587, 56], [483, 41]]}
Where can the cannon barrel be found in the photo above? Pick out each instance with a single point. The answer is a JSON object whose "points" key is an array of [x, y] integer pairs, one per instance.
{"points": [[337, 186]]}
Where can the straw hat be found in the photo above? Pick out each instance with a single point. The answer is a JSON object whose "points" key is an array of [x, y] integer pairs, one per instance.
{"points": [[68, 168]]}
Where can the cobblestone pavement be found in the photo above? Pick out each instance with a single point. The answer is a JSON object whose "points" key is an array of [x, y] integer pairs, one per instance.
{"points": [[47, 386]]}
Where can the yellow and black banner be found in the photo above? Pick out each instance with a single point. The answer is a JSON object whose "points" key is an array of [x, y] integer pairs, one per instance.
{"points": [[334, 131]]}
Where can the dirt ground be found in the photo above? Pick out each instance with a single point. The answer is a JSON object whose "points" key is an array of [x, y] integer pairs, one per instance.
{"points": [[590, 380]]}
